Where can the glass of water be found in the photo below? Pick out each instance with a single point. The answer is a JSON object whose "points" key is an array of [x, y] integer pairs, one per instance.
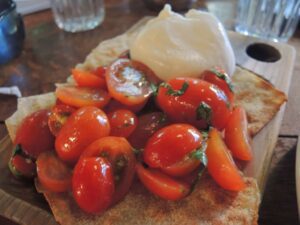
{"points": [[268, 19], [78, 15]]}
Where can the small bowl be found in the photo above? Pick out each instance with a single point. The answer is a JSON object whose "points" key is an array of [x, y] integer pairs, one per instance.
{"points": [[12, 33]]}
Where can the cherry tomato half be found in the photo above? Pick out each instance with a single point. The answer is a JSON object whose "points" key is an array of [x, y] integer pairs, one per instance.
{"points": [[82, 96], [194, 101], [88, 79], [22, 167], [220, 163], [114, 105], [52, 173], [93, 184], [58, 117], [129, 81], [162, 185], [221, 79], [148, 124], [83, 127], [119, 153], [122, 122], [236, 135], [182, 168], [171, 144], [34, 134]]}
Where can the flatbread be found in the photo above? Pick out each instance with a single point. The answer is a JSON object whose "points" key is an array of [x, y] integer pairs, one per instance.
{"points": [[208, 204], [258, 97]]}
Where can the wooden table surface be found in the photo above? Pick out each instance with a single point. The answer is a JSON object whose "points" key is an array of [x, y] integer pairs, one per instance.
{"points": [[49, 53]]}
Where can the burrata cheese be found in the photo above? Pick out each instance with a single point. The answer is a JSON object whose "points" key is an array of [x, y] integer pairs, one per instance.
{"points": [[173, 45]]}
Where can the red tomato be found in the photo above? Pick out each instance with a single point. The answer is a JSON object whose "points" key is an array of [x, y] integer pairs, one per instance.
{"points": [[84, 126], [93, 184], [194, 101], [122, 122], [58, 117], [182, 168], [236, 135], [148, 124], [161, 184], [82, 96], [114, 105], [88, 79], [129, 81], [171, 144], [52, 173], [221, 79], [34, 135], [100, 72], [121, 157], [221, 165], [22, 166]]}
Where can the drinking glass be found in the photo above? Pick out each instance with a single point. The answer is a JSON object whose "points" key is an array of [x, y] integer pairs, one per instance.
{"points": [[78, 15], [268, 19]]}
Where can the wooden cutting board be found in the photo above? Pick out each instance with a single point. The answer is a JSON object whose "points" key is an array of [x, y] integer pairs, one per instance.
{"points": [[21, 203]]}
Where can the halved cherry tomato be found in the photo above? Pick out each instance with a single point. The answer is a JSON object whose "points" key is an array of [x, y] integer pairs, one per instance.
{"points": [[171, 144], [182, 168], [122, 122], [58, 117], [83, 127], [236, 135], [34, 134], [148, 124], [162, 185], [114, 105], [194, 101], [129, 81], [88, 79], [93, 184], [22, 166], [52, 173], [121, 157], [82, 96], [220, 78], [221, 165]]}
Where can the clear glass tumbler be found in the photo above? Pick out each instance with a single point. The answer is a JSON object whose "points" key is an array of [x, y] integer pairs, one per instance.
{"points": [[78, 15], [268, 19]]}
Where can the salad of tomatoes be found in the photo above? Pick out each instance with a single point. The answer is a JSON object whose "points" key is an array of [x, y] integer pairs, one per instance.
{"points": [[120, 122]]}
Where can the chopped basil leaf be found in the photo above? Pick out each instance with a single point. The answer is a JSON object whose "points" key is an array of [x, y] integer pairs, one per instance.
{"points": [[172, 92], [204, 134], [223, 77], [204, 112], [200, 154], [154, 88]]}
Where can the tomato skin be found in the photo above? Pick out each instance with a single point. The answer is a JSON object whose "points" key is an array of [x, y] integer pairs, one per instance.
{"points": [[84, 126], [115, 149], [123, 122], [114, 105], [52, 173], [183, 108], [100, 72], [93, 184], [221, 165], [213, 76], [171, 144], [148, 124], [82, 96], [34, 134], [88, 79], [236, 135], [58, 117], [162, 185], [125, 87], [182, 168]]}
